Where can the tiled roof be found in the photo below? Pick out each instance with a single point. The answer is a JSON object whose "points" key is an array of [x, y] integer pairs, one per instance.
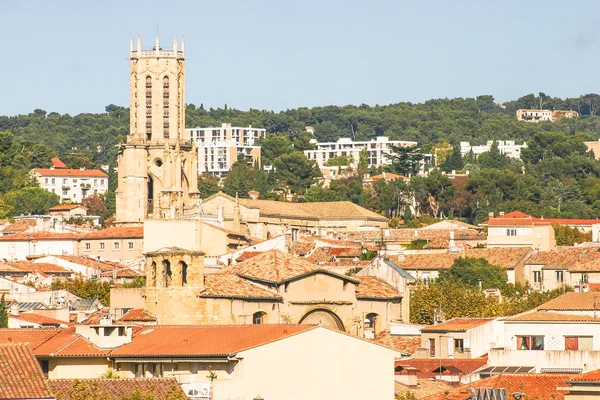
{"points": [[570, 258], [426, 366], [207, 340], [69, 344], [116, 389], [592, 376], [90, 262], [371, 287], [57, 163], [75, 173], [232, 286], [116, 232], [534, 386], [66, 207], [457, 324], [547, 316], [404, 344], [247, 255], [517, 215], [20, 225], [138, 315], [572, 301], [508, 258], [123, 273], [388, 176], [405, 236], [34, 336], [39, 236], [275, 266], [40, 319], [425, 387], [20, 374], [42, 268]]}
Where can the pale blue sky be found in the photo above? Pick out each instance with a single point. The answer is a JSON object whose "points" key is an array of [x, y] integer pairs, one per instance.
{"points": [[70, 56]]}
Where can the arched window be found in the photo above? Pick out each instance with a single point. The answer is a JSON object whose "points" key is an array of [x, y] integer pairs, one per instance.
{"points": [[168, 273], [259, 318], [184, 268]]}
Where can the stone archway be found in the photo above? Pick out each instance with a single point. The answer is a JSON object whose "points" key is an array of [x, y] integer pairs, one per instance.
{"points": [[323, 316]]}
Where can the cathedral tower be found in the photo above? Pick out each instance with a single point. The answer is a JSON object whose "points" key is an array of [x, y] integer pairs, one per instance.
{"points": [[158, 166]]}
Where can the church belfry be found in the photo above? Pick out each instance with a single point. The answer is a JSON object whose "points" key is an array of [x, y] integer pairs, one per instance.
{"points": [[158, 164]]}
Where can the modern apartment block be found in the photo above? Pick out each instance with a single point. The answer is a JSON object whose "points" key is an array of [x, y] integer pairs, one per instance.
{"points": [[507, 147], [71, 184], [377, 150], [544, 115], [219, 148]]}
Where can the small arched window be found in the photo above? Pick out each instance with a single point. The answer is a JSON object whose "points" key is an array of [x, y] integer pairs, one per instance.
{"points": [[259, 318]]}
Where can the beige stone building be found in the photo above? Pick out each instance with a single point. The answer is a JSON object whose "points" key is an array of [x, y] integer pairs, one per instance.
{"points": [[533, 115], [116, 244], [158, 164], [264, 219]]}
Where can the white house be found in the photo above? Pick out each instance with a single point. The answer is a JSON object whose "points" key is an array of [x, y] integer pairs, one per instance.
{"points": [[20, 245]]}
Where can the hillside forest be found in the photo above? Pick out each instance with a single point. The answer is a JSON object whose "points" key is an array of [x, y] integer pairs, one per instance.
{"points": [[556, 177]]}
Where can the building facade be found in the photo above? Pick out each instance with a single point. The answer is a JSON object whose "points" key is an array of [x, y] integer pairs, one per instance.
{"points": [[532, 115], [220, 148], [506, 147], [71, 184], [158, 164], [377, 150]]}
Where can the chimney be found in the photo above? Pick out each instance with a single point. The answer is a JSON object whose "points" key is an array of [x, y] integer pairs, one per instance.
{"points": [[491, 214], [452, 244], [501, 214]]}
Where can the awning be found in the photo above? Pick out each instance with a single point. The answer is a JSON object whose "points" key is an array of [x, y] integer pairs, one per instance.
{"points": [[171, 360]]}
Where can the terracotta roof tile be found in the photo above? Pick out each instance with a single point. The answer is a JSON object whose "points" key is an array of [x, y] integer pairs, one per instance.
{"points": [[42, 268], [138, 315], [91, 262], [425, 387], [275, 266], [116, 389], [572, 301], [75, 173], [508, 258], [570, 258], [116, 232], [20, 374], [35, 337], [19, 226], [371, 287], [518, 215], [426, 366], [535, 386], [457, 324], [247, 255], [66, 207], [232, 286], [39, 236], [57, 163], [207, 340], [40, 319], [547, 316], [69, 344], [587, 377], [405, 236], [122, 273], [404, 344]]}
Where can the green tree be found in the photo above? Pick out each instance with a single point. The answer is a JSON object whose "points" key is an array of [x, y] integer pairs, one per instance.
{"points": [[86, 289], [339, 161], [302, 142], [566, 236], [3, 313], [297, 171], [405, 160], [208, 185], [31, 200], [454, 162], [493, 158], [240, 179], [273, 147], [472, 271]]}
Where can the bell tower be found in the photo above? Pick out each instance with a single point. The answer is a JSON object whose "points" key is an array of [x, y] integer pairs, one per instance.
{"points": [[158, 165]]}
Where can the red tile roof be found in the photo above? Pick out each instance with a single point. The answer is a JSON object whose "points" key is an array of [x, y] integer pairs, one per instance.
{"points": [[517, 215], [138, 315], [91, 262], [123, 273], [509, 258], [570, 258], [42, 268], [535, 386], [20, 374], [57, 163], [75, 173], [117, 389], [35, 337], [116, 232], [592, 376], [572, 301], [228, 285], [426, 366], [457, 325], [404, 344], [19, 226], [371, 287], [26, 237], [204, 340], [69, 344], [553, 317], [66, 207], [247, 255], [40, 319]]}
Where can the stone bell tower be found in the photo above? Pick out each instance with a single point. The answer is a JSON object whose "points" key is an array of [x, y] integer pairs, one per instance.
{"points": [[158, 165]]}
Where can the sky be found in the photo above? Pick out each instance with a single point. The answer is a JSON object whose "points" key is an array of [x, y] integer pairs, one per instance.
{"points": [[70, 56]]}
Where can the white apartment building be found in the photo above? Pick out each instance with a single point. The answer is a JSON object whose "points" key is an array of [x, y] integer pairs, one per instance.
{"points": [[219, 148], [377, 150], [507, 147], [71, 184]]}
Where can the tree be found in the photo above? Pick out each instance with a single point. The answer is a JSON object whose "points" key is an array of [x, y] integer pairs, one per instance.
{"points": [[405, 160], [363, 162], [3, 313], [208, 185], [339, 161], [493, 158], [297, 171], [31, 200], [240, 179], [566, 236], [472, 271], [454, 162], [273, 147], [86, 289], [302, 142]]}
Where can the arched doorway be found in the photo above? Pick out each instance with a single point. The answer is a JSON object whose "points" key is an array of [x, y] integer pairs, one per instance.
{"points": [[322, 316], [370, 325], [259, 318]]}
